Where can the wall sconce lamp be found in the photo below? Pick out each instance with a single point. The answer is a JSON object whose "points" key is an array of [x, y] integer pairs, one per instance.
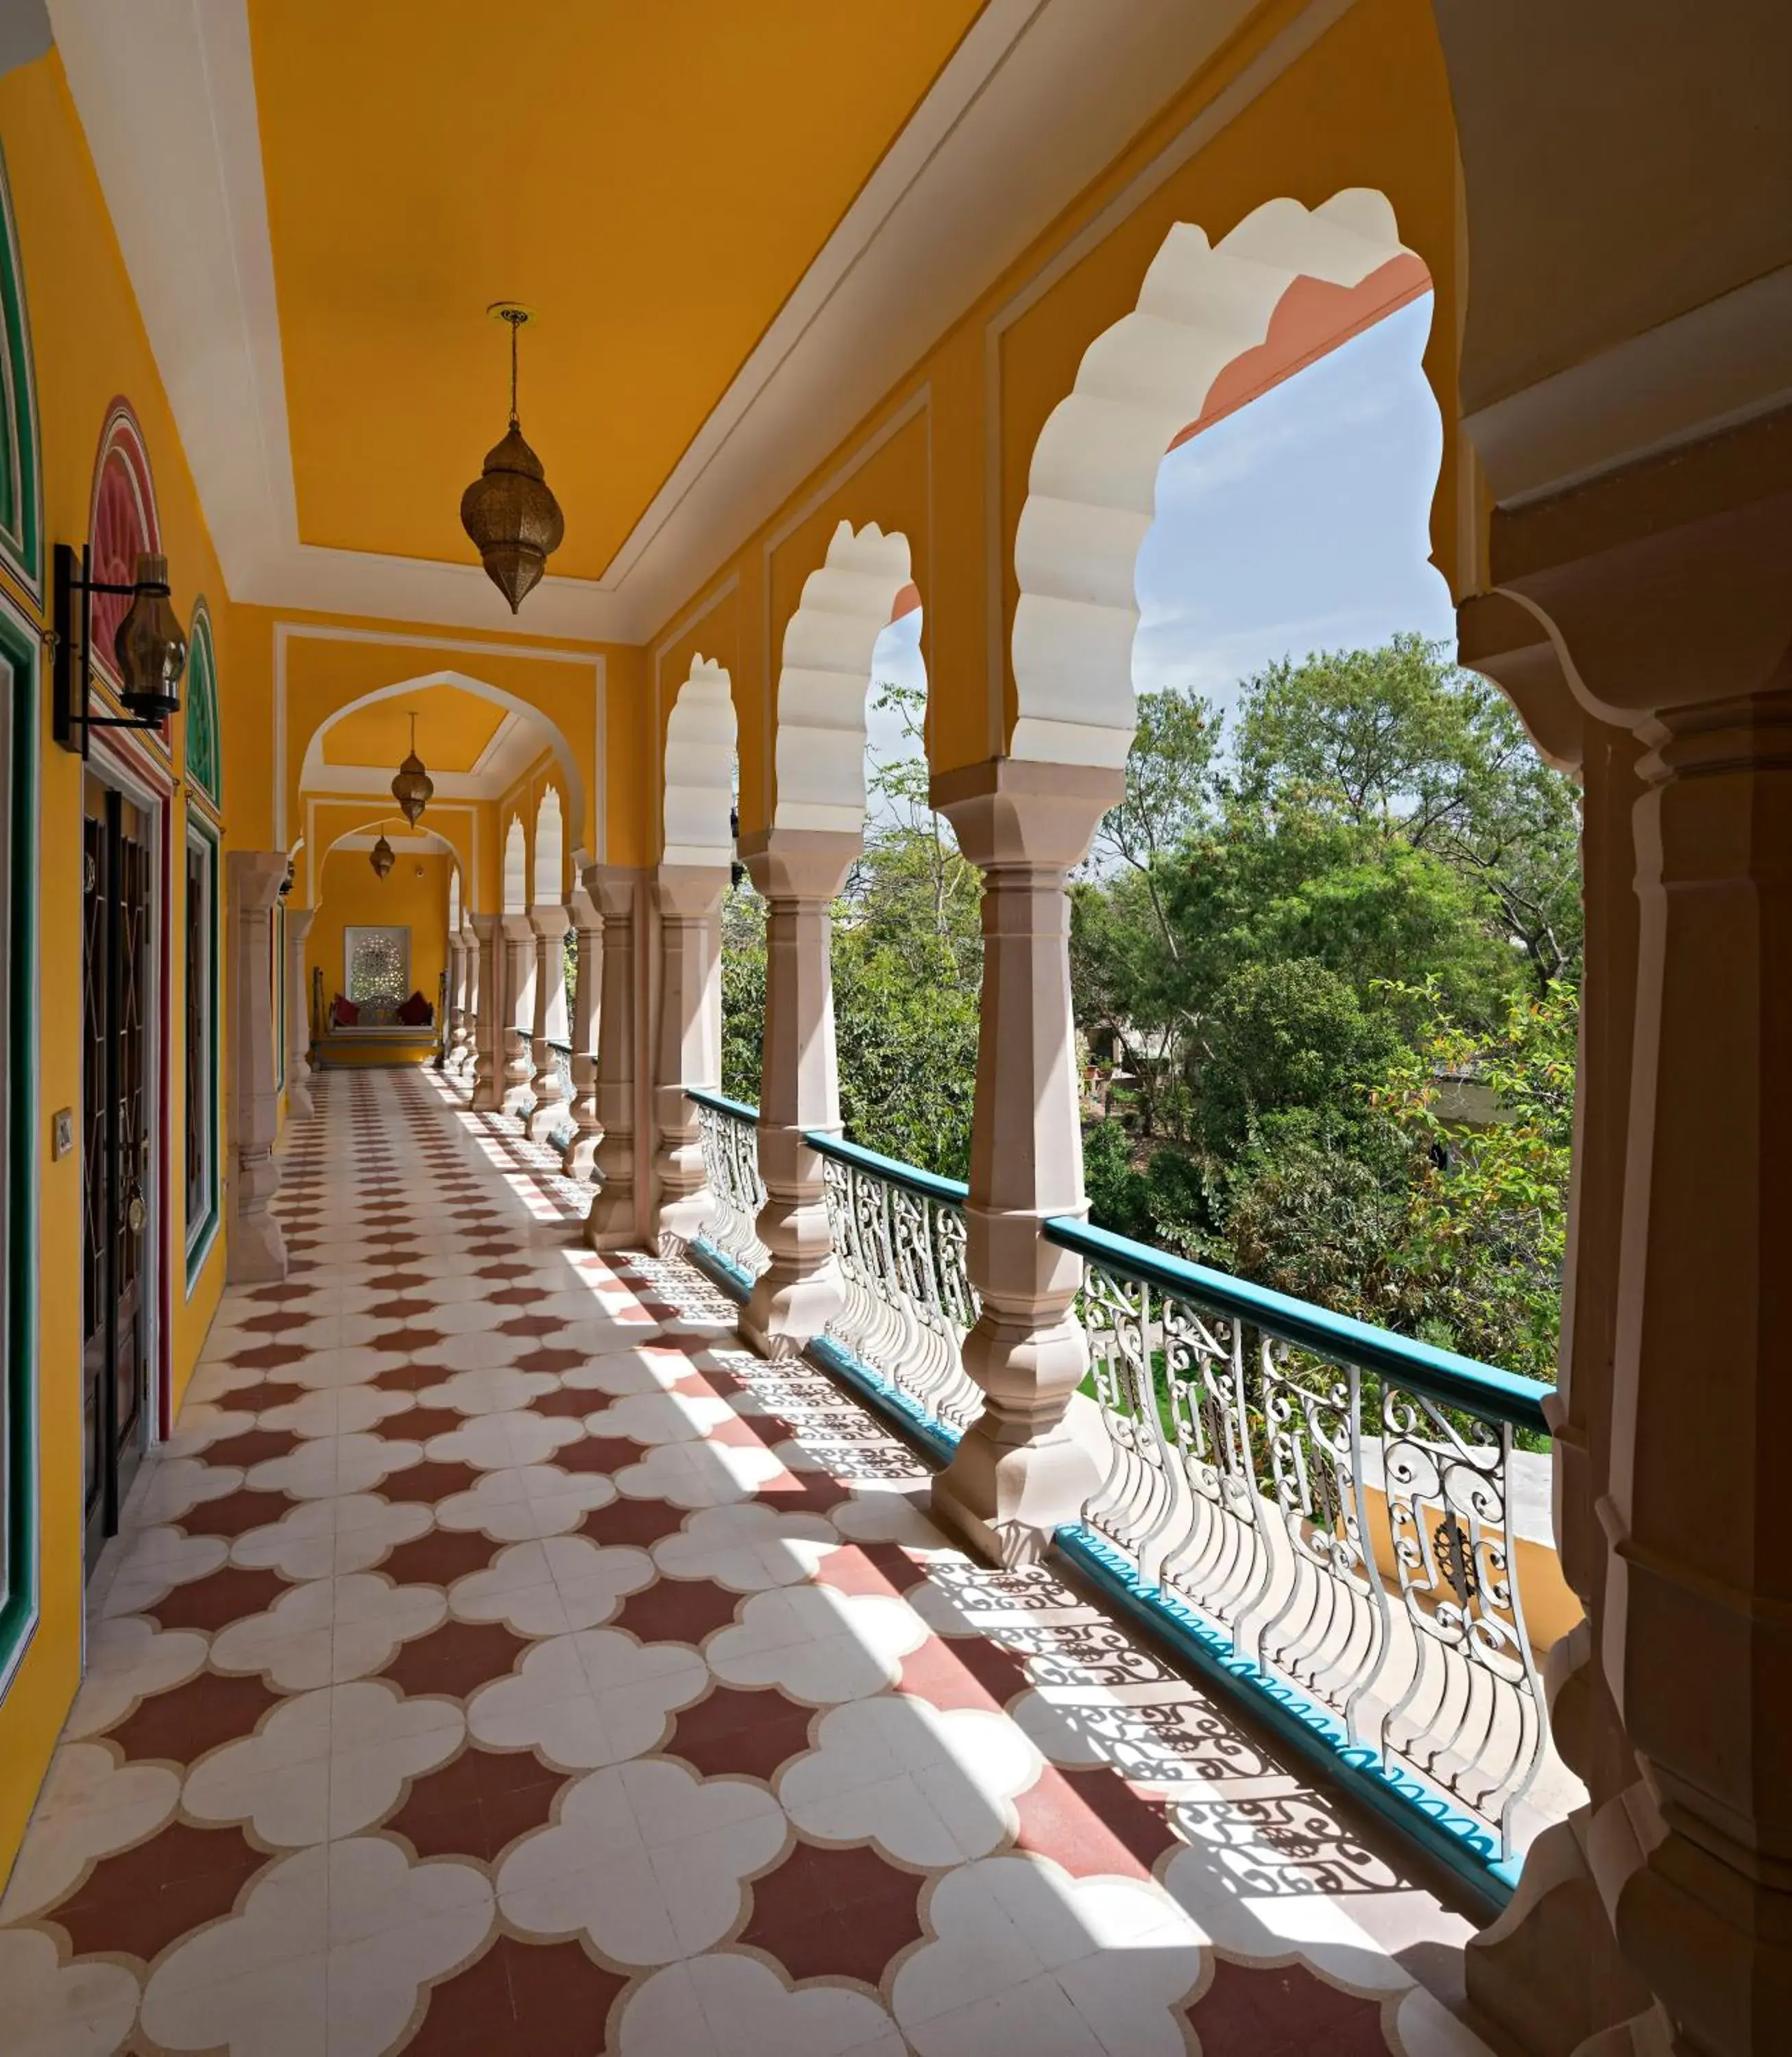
{"points": [[149, 646]]}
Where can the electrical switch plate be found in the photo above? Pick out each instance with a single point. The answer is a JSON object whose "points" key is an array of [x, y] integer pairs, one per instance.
{"points": [[62, 1131]]}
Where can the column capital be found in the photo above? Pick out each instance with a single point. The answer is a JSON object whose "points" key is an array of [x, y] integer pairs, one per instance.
{"points": [[581, 909], [689, 891], [256, 877], [550, 921], [1010, 813], [298, 922], [517, 928], [801, 864], [613, 887], [485, 926], [1662, 585]]}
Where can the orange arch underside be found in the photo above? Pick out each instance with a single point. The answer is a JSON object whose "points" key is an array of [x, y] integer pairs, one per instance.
{"points": [[1312, 318]]}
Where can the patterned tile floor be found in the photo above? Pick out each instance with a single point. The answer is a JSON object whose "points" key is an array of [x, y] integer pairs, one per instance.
{"points": [[499, 1659]]}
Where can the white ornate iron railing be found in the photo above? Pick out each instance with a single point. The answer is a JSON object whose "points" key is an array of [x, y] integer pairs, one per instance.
{"points": [[899, 1238], [1320, 1513], [1337, 1499], [731, 1134]]}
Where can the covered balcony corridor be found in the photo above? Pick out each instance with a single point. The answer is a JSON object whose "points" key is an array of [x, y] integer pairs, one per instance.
{"points": [[498, 1657]]}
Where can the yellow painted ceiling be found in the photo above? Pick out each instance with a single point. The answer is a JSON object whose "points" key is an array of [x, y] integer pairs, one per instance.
{"points": [[452, 728], [652, 177]]}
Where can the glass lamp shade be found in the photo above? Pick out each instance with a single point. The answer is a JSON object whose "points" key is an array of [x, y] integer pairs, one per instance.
{"points": [[412, 788], [513, 521], [381, 858], [151, 646]]}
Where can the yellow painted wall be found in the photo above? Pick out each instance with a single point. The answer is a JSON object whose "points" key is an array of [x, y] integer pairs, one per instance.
{"points": [[413, 894], [90, 347], [1367, 105]]}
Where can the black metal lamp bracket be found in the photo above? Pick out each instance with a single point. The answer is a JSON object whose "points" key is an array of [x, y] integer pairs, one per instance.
{"points": [[72, 653]]}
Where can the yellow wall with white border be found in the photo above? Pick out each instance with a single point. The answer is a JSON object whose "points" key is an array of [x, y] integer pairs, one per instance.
{"points": [[944, 457], [413, 895], [89, 348]]}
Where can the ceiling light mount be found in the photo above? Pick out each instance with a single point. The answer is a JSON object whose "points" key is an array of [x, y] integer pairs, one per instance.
{"points": [[513, 519]]}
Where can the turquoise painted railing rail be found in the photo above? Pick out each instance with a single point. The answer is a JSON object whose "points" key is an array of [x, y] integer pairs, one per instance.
{"points": [[730, 1246], [1317, 1512], [1335, 1502], [898, 1235]]}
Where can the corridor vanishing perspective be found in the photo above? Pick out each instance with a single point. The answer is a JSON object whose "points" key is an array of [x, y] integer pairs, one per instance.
{"points": [[498, 1658]]}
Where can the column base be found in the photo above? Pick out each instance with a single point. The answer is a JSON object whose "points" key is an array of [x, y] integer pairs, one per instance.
{"points": [[1008, 1499], [789, 1307], [300, 1105], [547, 1114], [578, 1159], [610, 1224], [257, 1251], [1549, 1973]]}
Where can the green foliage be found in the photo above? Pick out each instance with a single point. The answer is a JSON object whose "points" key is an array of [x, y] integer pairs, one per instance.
{"points": [[1298, 948], [908, 970]]}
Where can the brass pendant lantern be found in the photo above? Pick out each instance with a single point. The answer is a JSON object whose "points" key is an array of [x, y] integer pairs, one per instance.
{"points": [[381, 857], [413, 787], [514, 522]]}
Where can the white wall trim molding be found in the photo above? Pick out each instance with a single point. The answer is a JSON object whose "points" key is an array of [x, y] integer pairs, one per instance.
{"points": [[166, 94], [286, 633]]}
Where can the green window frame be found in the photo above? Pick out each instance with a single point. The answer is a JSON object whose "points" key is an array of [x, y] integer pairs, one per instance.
{"points": [[204, 763], [21, 541], [20, 1567], [202, 1138]]}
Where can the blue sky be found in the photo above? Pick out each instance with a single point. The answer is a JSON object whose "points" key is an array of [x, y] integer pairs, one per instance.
{"points": [[1298, 524]]}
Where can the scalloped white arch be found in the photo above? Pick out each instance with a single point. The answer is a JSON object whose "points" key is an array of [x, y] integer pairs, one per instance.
{"points": [[454, 901], [700, 770], [516, 868], [1092, 486], [439, 846], [550, 852], [314, 773], [848, 602]]}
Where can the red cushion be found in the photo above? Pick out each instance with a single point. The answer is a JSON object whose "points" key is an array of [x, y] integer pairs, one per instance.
{"points": [[416, 1011], [345, 1013]]}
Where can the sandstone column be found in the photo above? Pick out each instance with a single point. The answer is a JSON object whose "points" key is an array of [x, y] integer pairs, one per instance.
{"points": [[1549, 1972], [799, 872], [257, 1249], [298, 1013], [687, 898], [1019, 1473], [580, 1153], [488, 1047], [550, 925], [456, 1043], [613, 1222], [518, 1010]]}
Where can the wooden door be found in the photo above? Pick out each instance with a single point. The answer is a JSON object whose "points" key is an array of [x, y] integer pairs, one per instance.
{"points": [[118, 1152]]}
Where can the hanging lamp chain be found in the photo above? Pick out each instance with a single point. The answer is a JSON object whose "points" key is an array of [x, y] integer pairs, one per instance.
{"points": [[516, 318]]}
